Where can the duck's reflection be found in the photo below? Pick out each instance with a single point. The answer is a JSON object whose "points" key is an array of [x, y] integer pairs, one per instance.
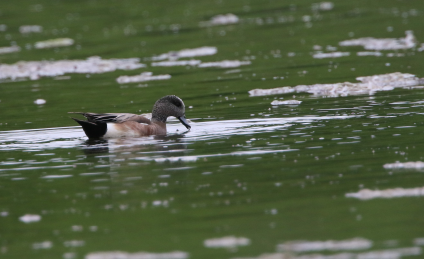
{"points": [[125, 145], [95, 146]]}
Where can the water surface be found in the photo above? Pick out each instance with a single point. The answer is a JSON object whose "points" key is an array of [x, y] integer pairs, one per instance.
{"points": [[330, 177]]}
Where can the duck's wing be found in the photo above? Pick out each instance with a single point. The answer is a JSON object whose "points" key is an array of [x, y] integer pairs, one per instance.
{"points": [[114, 117]]}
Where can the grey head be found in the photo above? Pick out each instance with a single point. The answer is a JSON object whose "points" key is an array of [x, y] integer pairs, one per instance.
{"points": [[169, 105]]}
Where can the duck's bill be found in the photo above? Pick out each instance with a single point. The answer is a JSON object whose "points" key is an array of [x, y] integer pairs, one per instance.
{"points": [[184, 122]]}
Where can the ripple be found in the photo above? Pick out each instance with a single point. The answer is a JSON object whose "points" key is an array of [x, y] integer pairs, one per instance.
{"points": [[71, 137]]}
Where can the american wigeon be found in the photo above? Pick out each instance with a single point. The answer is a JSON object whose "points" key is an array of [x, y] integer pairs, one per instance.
{"points": [[112, 125]]}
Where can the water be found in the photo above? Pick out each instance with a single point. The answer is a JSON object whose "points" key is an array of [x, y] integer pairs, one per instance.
{"points": [[330, 177]]}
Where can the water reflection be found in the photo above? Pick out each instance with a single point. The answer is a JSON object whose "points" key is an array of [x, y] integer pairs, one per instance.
{"points": [[68, 137]]}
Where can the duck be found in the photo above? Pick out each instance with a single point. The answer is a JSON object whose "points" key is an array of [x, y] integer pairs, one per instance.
{"points": [[115, 125]]}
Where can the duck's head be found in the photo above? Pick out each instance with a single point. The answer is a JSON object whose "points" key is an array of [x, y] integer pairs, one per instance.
{"points": [[170, 105]]}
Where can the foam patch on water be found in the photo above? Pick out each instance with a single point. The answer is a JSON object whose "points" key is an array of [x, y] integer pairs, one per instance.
{"points": [[221, 19], [369, 53], [406, 165], [42, 245], [40, 101], [226, 242], [143, 77], [368, 85], [94, 65], [370, 43], [138, 255], [286, 102], [24, 29], [330, 245], [186, 53], [53, 43], [367, 194], [56, 176], [29, 218], [323, 6], [396, 253], [74, 243], [225, 63], [173, 63], [5, 50], [336, 54]]}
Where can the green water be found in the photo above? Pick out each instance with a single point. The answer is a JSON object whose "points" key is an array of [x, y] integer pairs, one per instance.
{"points": [[246, 169]]}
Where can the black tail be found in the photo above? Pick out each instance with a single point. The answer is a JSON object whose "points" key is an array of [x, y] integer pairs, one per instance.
{"points": [[92, 129]]}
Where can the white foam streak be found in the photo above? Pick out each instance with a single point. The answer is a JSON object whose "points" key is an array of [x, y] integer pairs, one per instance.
{"points": [[30, 29], [143, 77], [226, 242], [286, 102], [323, 6], [53, 43], [173, 63], [29, 218], [138, 255], [370, 43], [225, 63], [4, 50], [367, 85], [369, 53], [42, 245], [221, 19], [396, 253], [336, 54], [405, 165], [36, 69], [367, 194], [331, 245], [186, 53]]}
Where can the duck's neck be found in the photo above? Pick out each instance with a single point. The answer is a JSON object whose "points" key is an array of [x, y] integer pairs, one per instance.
{"points": [[158, 119]]}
